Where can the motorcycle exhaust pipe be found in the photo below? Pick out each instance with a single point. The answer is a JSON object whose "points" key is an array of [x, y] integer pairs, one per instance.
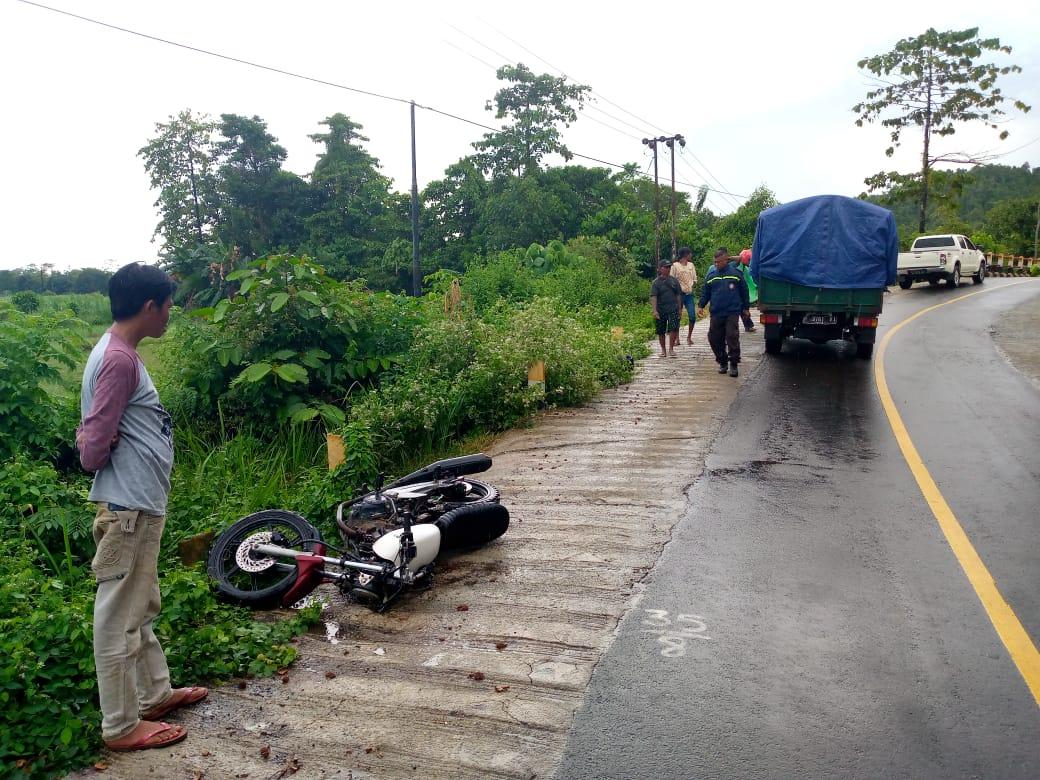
{"points": [[284, 552]]}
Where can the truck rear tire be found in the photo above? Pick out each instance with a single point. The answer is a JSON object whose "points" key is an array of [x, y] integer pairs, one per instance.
{"points": [[954, 279], [864, 351], [773, 346], [979, 276], [905, 283]]}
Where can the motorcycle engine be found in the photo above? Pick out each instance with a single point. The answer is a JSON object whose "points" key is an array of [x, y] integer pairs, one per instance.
{"points": [[371, 517]]}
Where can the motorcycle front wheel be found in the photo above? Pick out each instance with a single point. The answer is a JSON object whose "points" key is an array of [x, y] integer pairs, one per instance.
{"points": [[256, 580]]}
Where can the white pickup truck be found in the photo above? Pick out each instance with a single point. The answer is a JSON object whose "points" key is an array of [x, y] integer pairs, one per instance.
{"points": [[946, 257]]}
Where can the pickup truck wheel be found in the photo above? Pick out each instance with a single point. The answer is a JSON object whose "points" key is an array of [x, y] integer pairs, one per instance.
{"points": [[864, 351], [979, 276], [905, 283], [773, 346], [954, 280]]}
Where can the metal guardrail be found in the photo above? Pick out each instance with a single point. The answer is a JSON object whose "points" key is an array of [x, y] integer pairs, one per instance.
{"points": [[1008, 265]]}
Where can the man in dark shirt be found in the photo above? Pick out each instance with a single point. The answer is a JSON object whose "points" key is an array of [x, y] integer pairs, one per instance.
{"points": [[727, 292], [666, 300]]}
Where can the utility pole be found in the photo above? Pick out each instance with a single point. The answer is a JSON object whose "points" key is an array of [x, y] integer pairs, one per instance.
{"points": [[671, 147], [416, 280], [652, 143]]}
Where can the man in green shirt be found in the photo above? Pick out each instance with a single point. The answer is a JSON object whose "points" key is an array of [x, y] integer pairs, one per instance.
{"points": [[745, 269]]}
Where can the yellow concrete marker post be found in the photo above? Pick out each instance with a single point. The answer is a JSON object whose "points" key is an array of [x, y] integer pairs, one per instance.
{"points": [[334, 446], [536, 374]]}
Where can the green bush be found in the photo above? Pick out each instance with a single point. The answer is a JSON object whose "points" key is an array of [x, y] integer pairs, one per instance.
{"points": [[205, 639], [49, 719], [32, 348], [1034, 270], [289, 346], [39, 506], [26, 301], [471, 375]]}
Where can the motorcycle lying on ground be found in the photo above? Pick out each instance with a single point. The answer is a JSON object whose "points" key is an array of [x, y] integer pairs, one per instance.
{"points": [[390, 539]]}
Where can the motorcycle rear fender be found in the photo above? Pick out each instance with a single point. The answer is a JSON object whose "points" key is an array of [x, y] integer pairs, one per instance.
{"points": [[427, 537]]}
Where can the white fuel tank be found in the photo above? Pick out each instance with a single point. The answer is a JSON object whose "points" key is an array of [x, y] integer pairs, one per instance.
{"points": [[427, 539]]}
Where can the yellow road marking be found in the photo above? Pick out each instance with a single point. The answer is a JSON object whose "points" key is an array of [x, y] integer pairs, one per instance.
{"points": [[1010, 630]]}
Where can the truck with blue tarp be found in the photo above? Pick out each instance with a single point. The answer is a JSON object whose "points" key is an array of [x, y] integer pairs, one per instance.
{"points": [[822, 265]]}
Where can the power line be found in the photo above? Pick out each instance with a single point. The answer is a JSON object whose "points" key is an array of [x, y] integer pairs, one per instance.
{"points": [[469, 54], [722, 192], [215, 54], [510, 59], [727, 201], [312, 79], [561, 72], [597, 94], [488, 64]]}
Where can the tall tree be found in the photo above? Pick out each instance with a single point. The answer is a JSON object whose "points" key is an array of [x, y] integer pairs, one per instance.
{"points": [[535, 106], [181, 161], [263, 206], [933, 81], [451, 213], [355, 215]]}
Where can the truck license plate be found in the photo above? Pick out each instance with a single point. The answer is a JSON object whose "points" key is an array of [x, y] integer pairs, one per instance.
{"points": [[820, 319]]}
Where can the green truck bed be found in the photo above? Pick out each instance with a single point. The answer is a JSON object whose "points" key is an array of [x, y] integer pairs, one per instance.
{"points": [[775, 296]]}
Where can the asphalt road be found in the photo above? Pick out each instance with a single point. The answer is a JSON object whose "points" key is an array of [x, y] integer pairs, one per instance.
{"points": [[808, 617]]}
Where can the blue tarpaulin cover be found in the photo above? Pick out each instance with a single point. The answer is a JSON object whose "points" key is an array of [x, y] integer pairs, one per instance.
{"points": [[827, 241]]}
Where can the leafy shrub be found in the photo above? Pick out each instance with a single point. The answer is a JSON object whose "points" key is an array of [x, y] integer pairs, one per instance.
{"points": [[26, 301], [293, 341], [32, 347], [204, 639], [466, 375], [37, 505], [49, 720], [1034, 270]]}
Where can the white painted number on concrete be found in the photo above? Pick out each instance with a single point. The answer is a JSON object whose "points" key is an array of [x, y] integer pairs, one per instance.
{"points": [[673, 635]]}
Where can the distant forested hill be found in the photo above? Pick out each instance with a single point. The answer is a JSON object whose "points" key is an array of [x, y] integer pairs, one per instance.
{"points": [[996, 204]]}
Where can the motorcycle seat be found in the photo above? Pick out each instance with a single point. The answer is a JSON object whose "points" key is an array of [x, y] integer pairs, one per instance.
{"points": [[446, 469]]}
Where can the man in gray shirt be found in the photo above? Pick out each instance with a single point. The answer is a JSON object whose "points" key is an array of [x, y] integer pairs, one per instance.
{"points": [[125, 437]]}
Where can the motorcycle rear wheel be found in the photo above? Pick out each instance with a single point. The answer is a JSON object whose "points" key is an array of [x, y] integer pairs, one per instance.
{"points": [[262, 588]]}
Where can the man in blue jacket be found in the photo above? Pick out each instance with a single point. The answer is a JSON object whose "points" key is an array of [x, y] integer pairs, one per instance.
{"points": [[727, 292]]}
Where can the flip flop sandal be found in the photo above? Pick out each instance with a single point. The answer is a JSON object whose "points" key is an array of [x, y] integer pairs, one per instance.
{"points": [[147, 742], [181, 697]]}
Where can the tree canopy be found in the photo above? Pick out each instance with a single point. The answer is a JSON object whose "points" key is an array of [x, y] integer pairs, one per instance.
{"points": [[933, 81]]}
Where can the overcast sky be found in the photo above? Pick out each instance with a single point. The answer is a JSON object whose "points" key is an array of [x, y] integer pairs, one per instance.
{"points": [[762, 92]]}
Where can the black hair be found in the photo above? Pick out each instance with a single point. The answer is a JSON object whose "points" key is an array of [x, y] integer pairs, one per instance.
{"points": [[684, 251], [721, 251], [133, 285]]}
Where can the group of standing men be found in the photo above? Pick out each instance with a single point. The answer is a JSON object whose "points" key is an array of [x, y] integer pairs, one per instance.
{"points": [[728, 291]]}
